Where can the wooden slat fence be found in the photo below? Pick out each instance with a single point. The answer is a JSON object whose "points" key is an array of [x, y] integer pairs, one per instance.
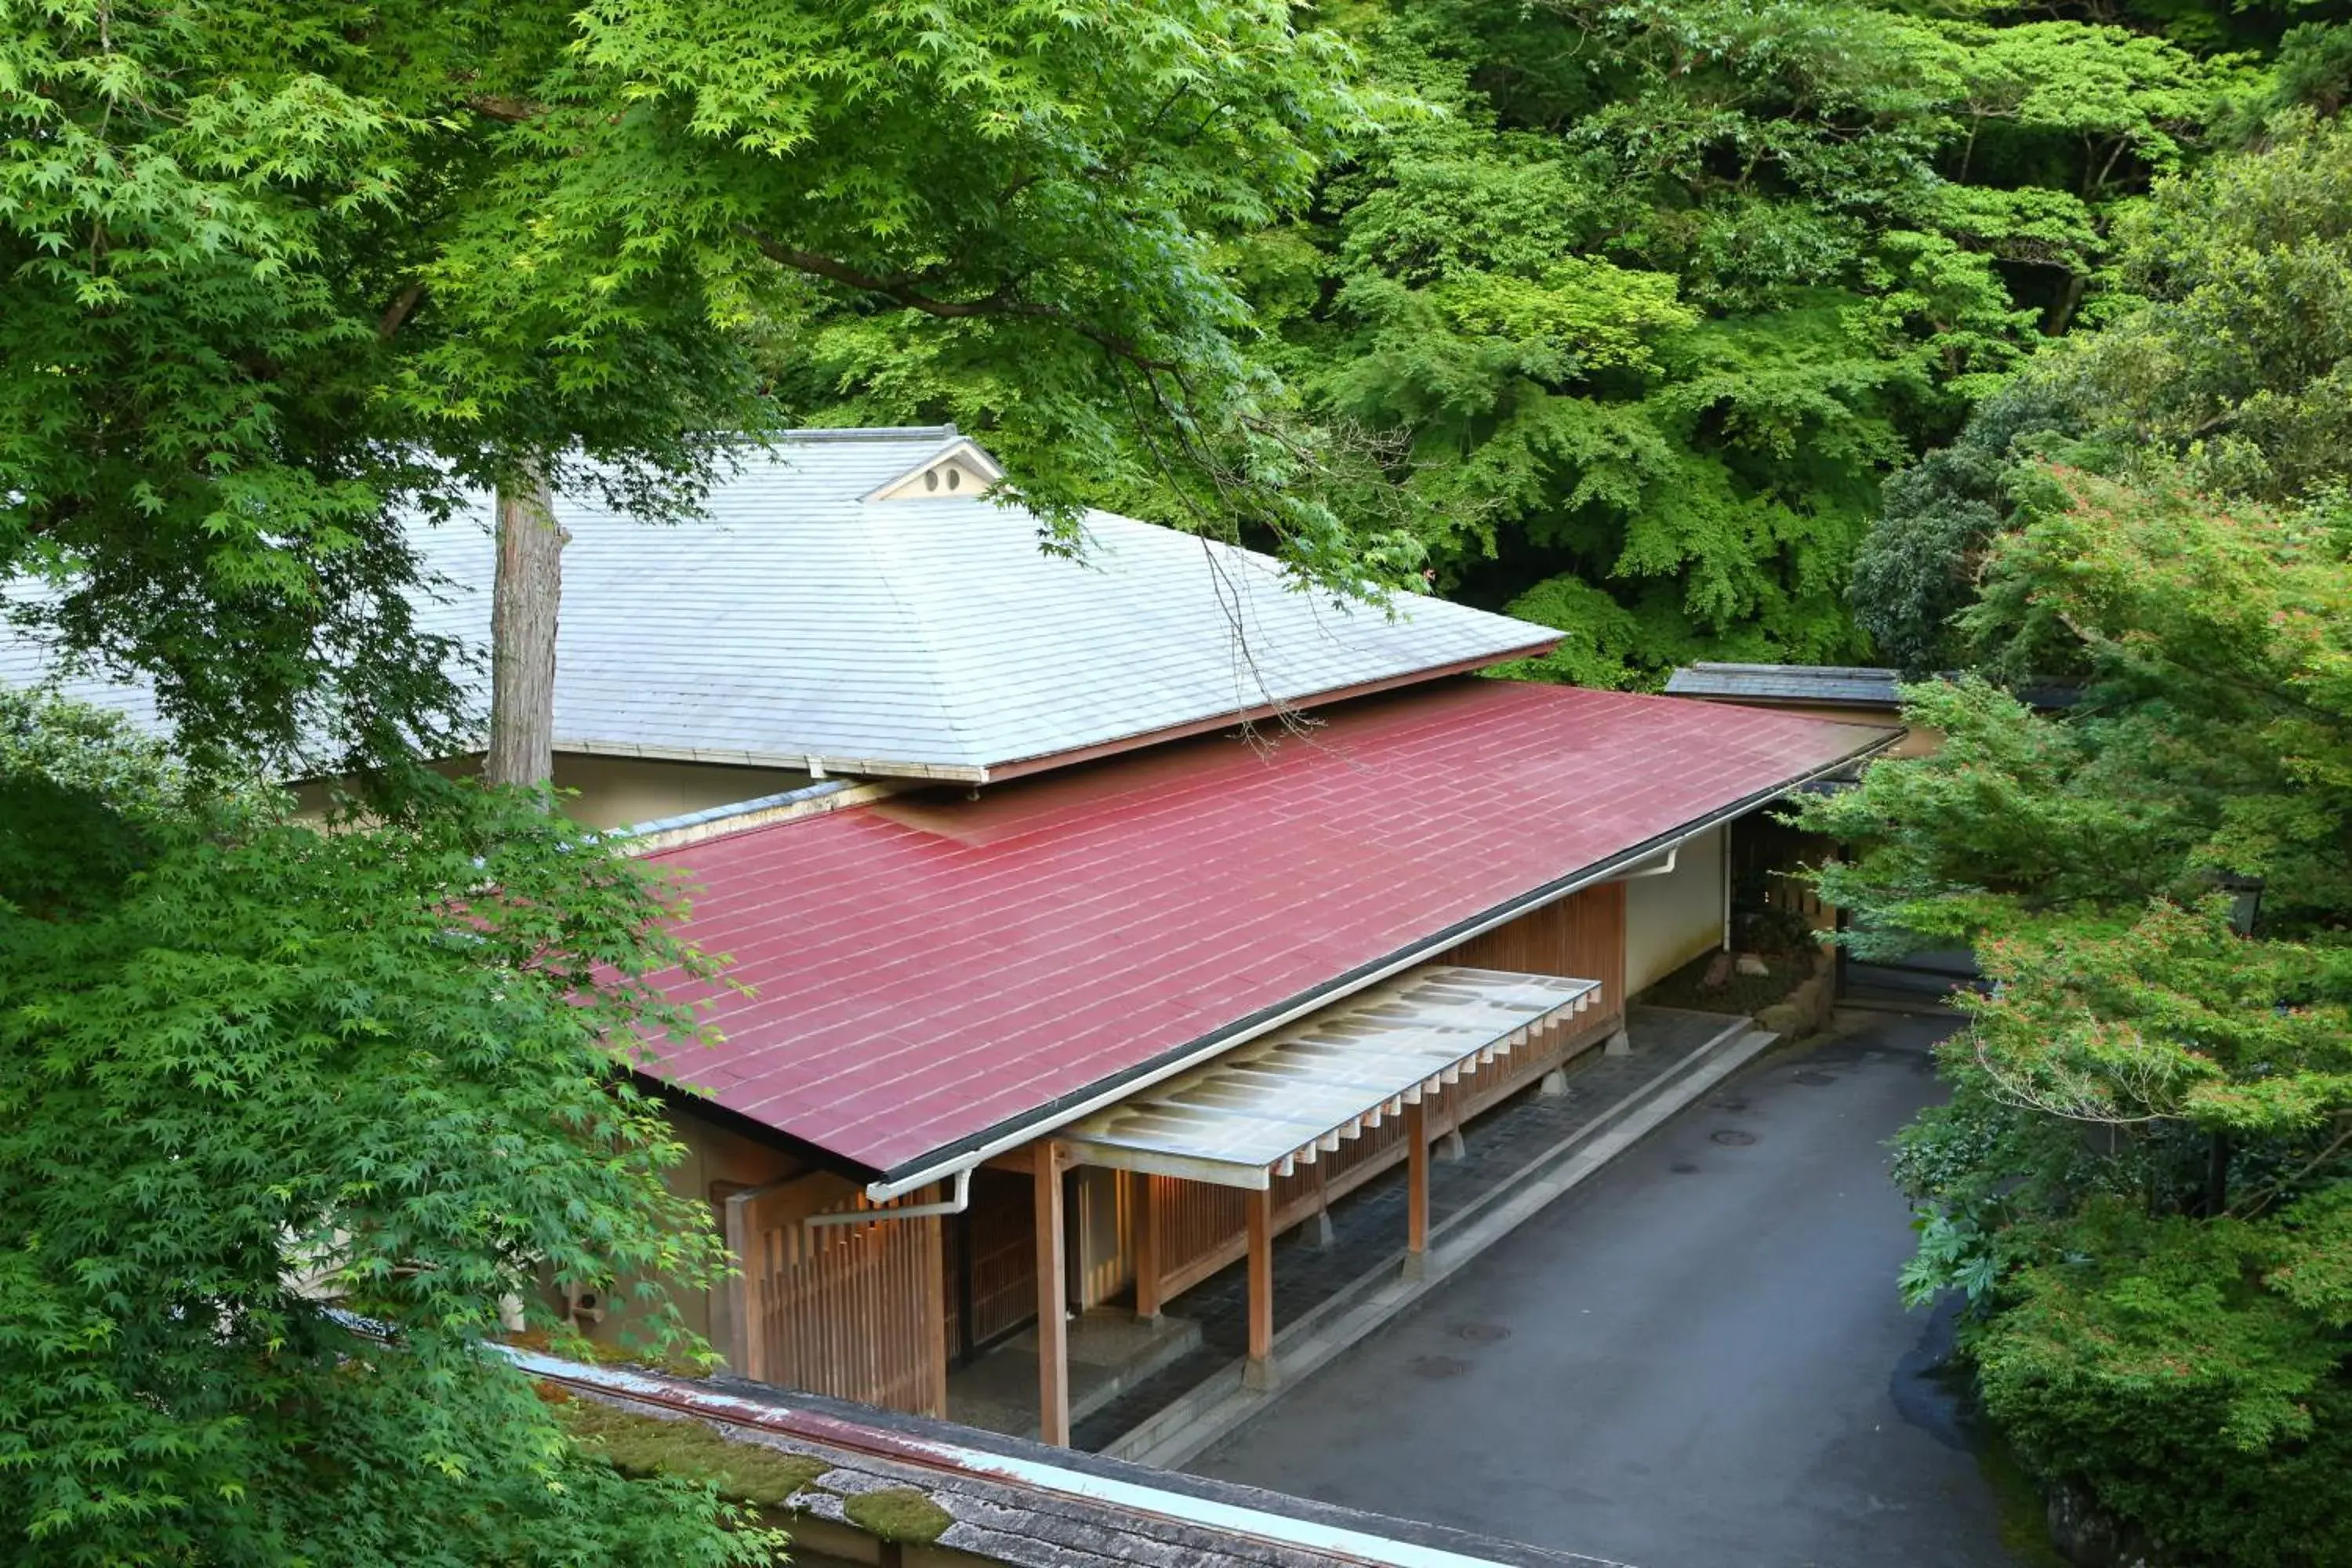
{"points": [[1001, 1229], [855, 1311], [1581, 937]]}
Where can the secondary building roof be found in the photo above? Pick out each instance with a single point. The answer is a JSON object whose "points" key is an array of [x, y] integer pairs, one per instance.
{"points": [[1828, 685], [806, 622], [1017, 1502], [24, 662], [933, 977], [850, 603]]}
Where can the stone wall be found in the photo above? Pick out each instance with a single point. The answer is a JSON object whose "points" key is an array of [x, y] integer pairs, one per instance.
{"points": [[1806, 1009]]}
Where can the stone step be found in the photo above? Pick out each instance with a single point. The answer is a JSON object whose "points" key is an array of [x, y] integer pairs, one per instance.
{"points": [[1110, 1363]]}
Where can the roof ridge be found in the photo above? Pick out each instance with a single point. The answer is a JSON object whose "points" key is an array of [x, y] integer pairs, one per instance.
{"points": [[1796, 669], [1225, 560], [812, 433], [1321, 607], [882, 547], [1225, 571], [965, 699]]}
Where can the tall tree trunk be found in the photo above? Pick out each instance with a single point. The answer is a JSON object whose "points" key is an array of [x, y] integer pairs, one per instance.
{"points": [[2061, 314], [523, 602]]}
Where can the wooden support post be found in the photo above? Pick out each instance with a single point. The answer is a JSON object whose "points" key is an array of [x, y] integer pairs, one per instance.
{"points": [[935, 1264], [1052, 1328], [1260, 1372], [1147, 1248], [1416, 1189], [747, 1289]]}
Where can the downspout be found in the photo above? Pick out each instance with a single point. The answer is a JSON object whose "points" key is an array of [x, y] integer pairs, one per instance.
{"points": [[742, 1347], [1666, 869], [956, 1205]]}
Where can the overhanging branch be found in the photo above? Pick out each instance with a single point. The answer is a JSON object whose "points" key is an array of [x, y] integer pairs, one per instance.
{"points": [[398, 312], [909, 293], [501, 107]]}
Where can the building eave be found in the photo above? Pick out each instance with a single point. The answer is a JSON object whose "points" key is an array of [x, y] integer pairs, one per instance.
{"points": [[1275, 710], [823, 765]]}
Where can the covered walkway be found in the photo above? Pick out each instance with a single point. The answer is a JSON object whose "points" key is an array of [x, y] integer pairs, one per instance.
{"points": [[1123, 1376]]}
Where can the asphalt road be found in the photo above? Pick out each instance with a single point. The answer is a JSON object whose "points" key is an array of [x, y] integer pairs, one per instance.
{"points": [[1694, 1360]]}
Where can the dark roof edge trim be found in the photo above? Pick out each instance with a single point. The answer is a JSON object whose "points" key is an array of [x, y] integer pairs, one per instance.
{"points": [[1022, 767], [848, 767], [1784, 699], [686, 1100], [942, 1160]]}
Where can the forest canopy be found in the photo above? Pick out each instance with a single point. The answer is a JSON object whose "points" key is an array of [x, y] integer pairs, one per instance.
{"points": [[1634, 315], [2142, 1180]]}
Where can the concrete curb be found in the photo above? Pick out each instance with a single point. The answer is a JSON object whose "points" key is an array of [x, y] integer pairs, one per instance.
{"points": [[1901, 1006], [1219, 1405]]}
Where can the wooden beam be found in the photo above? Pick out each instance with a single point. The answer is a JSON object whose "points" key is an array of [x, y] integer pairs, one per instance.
{"points": [[1416, 1189], [744, 1287], [1147, 1248], [1052, 1329], [1259, 1373], [935, 1267], [1183, 1167]]}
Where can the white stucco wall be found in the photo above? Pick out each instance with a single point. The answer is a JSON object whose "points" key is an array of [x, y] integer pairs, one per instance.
{"points": [[1671, 919], [620, 792]]}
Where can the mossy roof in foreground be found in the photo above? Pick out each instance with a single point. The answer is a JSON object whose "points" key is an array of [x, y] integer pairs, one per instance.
{"points": [[898, 1513], [914, 1480], [638, 1444]]}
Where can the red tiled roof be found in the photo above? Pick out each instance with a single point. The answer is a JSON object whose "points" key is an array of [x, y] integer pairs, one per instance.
{"points": [[928, 971]]}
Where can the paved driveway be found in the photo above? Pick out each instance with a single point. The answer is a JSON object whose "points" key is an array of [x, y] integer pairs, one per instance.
{"points": [[1694, 1360]]}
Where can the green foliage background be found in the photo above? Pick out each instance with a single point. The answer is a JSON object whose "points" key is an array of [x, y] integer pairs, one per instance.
{"points": [[2143, 1180], [285, 1115], [1629, 322]]}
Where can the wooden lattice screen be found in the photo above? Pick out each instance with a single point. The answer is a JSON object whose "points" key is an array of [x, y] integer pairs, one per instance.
{"points": [[850, 1310]]}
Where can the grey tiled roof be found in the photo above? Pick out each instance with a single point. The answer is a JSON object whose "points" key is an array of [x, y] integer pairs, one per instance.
{"points": [[796, 621], [22, 662], [1834, 683]]}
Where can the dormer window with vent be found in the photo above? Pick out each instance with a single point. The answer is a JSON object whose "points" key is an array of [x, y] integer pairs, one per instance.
{"points": [[959, 470]]}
